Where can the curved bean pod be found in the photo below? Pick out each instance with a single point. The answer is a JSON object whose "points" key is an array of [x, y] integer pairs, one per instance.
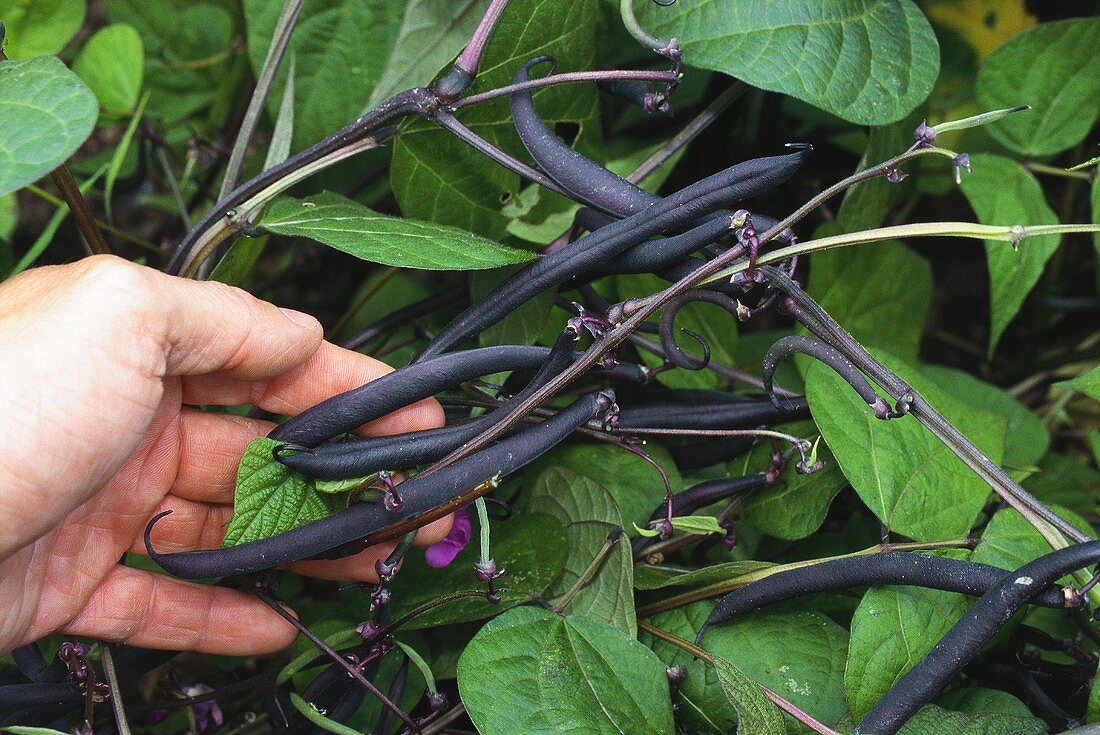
{"points": [[675, 355], [361, 457], [710, 492], [968, 636], [419, 494], [598, 248], [646, 95], [656, 255], [698, 454], [582, 177], [832, 357], [888, 567]]}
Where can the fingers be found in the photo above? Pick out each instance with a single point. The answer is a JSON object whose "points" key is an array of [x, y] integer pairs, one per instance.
{"points": [[211, 445], [144, 609], [329, 371]]}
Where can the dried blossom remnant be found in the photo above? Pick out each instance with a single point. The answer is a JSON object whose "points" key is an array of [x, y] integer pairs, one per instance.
{"points": [[208, 715], [895, 175], [925, 135], [962, 161]]}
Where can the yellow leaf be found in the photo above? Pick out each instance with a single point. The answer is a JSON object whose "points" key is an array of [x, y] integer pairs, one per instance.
{"points": [[984, 24]]}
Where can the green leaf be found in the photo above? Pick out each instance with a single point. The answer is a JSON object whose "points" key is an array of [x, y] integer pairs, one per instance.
{"points": [[867, 61], [352, 228], [1009, 541], [1002, 192], [112, 64], [236, 266], [1027, 438], [48, 114], [524, 325], [634, 483], [530, 568], [932, 720], [796, 505], [271, 498], [979, 699], [589, 514], [866, 205], [341, 48], [697, 524], [189, 53], [1055, 68], [40, 27], [905, 475], [9, 215], [755, 712], [1087, 383], [532, 671], [432, 33], [892, 629], [859, 287], [438, 178]]}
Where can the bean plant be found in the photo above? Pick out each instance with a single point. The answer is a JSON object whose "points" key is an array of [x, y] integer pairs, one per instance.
{"points": [[766, 334]]}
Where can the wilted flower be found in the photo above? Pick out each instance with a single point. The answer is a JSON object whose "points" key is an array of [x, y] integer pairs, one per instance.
{"points": [[443, 553]]}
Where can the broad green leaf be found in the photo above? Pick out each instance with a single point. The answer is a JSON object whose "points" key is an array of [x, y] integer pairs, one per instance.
{"points": [[530, 568], [438, 178], [798, 655], [933, 720], [521, 327], [905, 475], [530, 670], [112, 64], [867, 61], [1009, 541], [1027, 437], [796, 505], [189, 53], [1055, 68], [980, 699], [1087, 383], [432, 33], [634, 483], [880, 293], [866, 205], [1002, 192], [271, 498], [1065, 481], [235, 267], [892, 630], [341, 48], [39, 27], [756, 715], [697, 524], [589, 514], [352, 228], [655, 577], [48, 114]]}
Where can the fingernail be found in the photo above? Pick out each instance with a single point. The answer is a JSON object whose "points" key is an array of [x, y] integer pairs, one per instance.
{"points": [[302, 319]]}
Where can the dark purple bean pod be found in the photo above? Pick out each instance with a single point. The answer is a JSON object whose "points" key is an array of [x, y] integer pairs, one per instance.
{"points": [[55, 698], [740, 415], [595, 250], [675, 355], [709, 452], [687, 266], [967, 637], [419, 494], [33, 665], [832, 357], [656, 255], [888, 567], [589, 182], [709, 492], [361, 457]]}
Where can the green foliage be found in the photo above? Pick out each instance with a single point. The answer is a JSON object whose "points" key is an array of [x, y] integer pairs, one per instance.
{"points": [[48, 113], [40, 27], [272, 499], [352, 228], [530, 670], [867, 62], [112, 64], [1055, 68]]}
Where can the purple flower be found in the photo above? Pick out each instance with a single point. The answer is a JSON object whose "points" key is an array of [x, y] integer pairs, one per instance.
{"points": [[208, 715], [443, 553]]}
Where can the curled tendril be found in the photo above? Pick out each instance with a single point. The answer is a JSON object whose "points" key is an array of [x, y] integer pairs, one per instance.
{"points": [[832, 357], [672, 350]]}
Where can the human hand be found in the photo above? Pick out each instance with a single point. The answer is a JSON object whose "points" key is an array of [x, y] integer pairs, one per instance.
{"points": [[99, 363]]}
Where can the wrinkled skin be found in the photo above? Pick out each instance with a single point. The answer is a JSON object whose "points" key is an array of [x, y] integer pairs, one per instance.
{"points": [[102, 362]]}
